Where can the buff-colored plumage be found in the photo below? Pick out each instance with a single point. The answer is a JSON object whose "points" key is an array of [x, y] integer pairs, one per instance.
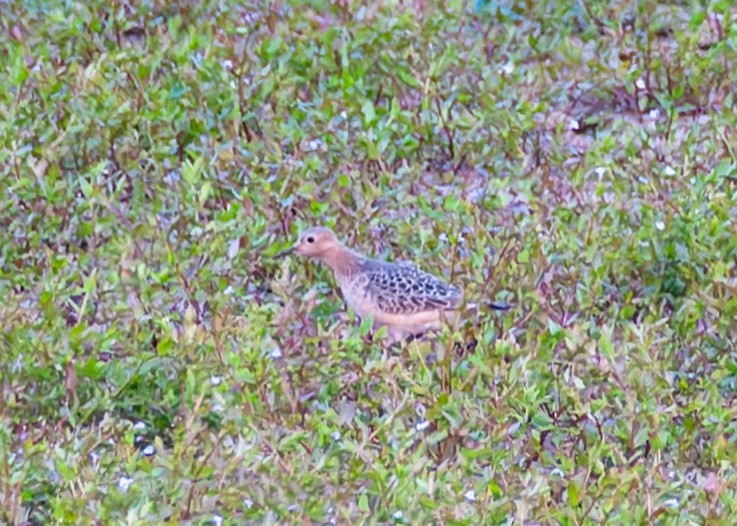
{"points": [[398, 295]]}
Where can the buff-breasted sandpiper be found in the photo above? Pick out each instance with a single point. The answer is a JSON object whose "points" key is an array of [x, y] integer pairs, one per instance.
{"points": [[407, 300]]}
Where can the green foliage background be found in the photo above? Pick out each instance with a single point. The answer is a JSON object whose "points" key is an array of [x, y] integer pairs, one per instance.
{"points": [[573, 158]]}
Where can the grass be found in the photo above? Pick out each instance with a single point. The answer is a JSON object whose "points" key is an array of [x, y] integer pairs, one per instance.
{"points": [[158, 365]]}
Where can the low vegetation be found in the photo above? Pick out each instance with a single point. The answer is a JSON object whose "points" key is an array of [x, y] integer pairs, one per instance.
{"points": [[575, 159]]}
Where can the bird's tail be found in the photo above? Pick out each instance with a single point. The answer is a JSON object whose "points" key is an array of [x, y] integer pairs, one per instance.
{"points": [[489, 305], [497, 306]]}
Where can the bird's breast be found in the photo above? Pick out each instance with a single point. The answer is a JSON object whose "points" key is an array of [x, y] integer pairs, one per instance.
{"points": [[356, 295]]}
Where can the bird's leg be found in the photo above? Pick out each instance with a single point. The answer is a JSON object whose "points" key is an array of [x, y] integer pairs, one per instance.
{"points": [[369, 338], [467, 345], [393, 340], [396, 335]]}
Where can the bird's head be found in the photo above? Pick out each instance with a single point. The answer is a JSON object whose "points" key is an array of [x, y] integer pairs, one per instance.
{"points": [[315, 242]]}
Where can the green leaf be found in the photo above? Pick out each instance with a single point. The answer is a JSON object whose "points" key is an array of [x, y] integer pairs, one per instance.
{"points": [[554, 328], [573, 499], [363, 503], [408, 79], [369, 113]]}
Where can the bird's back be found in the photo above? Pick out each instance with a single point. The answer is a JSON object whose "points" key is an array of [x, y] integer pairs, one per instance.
{"points": [[398, 289]]}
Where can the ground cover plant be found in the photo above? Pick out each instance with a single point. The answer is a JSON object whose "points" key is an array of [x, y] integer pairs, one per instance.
{"points": [[575, 159]]}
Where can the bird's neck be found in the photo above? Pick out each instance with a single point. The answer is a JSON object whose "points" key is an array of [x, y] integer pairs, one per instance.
{"points": [[343, 261]]}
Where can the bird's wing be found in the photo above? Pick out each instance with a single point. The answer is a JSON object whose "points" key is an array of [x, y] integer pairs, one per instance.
{"points": [[402, 288]]}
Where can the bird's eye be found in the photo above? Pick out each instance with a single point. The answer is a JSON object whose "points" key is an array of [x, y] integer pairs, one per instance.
{"points": [[310, 239]]}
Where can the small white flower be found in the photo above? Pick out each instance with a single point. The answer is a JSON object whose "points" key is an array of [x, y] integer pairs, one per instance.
{"points": [[336, 435], [124, 483], [640, 84], [248, 503], [660, 225], [421, 426], [470, 495], [600, 171], [227, 64], [233, 247], [149, 451], [669, 171], [218, 408], [139, 426], [671, 503], [506, 69], [574, 125], [276, 353], [398, 515], [217, 520], [558, 472], [216, 380], [654, 113]]}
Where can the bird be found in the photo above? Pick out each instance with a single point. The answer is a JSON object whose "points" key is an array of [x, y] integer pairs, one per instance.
{"points": [[399, 295]]}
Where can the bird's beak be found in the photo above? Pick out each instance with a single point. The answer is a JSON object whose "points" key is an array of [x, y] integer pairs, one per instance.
{"points": [[284, 252]]}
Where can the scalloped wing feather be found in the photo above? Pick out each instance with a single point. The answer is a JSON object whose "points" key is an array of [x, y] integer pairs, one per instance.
{"points": [[402, 288]]}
